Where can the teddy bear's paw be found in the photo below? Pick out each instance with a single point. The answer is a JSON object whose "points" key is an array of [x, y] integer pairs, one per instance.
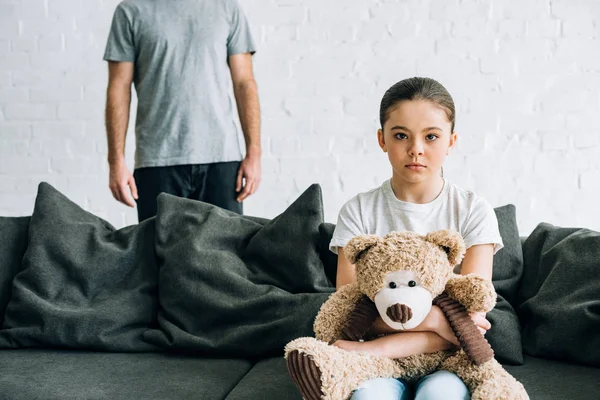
{"points": [[305, 374], [499, 389]]}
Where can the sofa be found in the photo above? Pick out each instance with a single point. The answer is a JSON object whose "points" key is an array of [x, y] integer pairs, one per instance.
{"points": [[198, 302]]}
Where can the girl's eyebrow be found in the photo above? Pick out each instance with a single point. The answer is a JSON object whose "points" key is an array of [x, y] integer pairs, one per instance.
{"points": [[400, 127]]}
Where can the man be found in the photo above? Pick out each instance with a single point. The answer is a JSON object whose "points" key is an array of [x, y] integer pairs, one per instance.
{"points": [[183, 57]]}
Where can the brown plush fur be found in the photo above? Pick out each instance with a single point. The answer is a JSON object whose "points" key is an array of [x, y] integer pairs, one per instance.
{"points": [[432, 258]]}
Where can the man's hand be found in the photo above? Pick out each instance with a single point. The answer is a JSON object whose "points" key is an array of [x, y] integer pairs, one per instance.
{"points": [[122, 184], [248, 177]]}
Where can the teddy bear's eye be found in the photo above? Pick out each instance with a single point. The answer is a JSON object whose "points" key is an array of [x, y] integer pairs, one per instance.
{"points": [[393, 285], [412, 283]]}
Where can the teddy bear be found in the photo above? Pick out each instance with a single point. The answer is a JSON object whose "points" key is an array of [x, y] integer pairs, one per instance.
{"points": [[399, 277]]}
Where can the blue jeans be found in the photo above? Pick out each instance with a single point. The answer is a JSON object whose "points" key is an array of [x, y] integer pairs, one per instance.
{"points": [[439, 385]]}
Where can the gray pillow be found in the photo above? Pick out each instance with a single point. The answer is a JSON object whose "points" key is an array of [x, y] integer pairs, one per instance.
{"points": [[505, 334], [83, 284], [236, 286], [13, 242], [559, 295]]}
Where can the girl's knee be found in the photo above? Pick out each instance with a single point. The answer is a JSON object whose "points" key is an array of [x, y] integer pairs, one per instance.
{"points": [[381, 389], [441, 385]]}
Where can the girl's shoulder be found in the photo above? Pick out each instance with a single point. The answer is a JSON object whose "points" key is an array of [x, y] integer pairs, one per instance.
{"points": [[365, 199], [467, 202], [462, 195]]}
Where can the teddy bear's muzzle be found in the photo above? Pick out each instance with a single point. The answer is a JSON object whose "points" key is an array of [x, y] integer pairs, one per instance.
{"points": [[399, 313]]}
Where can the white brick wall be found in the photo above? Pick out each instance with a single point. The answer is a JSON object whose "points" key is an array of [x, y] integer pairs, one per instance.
{"points": [[525, 76]]}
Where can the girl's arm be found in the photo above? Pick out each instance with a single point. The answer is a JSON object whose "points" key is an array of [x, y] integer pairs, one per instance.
{"points": [[346, 272], [479, 260], [399, 345]]}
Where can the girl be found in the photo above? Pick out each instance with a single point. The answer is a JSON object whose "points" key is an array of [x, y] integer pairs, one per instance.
{"points": [[417, 118]]}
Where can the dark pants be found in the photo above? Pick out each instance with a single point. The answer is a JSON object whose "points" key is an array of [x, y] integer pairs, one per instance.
{"points": [[211, 183]]}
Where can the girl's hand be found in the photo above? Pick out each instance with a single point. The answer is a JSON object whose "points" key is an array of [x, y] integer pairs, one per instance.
{"points": [[482, 323]]}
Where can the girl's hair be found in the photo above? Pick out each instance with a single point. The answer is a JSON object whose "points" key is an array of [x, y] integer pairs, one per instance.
{"points": [[417, 88]]}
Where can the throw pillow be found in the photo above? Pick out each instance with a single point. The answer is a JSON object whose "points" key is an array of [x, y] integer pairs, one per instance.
{"points": [[13, 242], [83, 284], [230, 285], [559, 295]]}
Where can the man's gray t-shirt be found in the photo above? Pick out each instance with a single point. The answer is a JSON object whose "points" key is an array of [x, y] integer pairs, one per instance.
{"points": [[186, 113]]}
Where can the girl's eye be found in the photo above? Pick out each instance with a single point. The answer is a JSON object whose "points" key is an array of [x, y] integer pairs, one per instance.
{"points": [[400, 136], [431, 137]]}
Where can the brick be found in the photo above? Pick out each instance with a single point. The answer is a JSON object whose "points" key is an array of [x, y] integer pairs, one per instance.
{"points": [[68, 94], [552, 140], [284, 146], [395, 13], [37, 78], [17, 95], [51, 43], [311, 165], [277, 126], [316, 145], [510, 28], [304, 107], [288, 15], [23, 166], [77, 165], [581, 51], [12, 61], [5, 80], [574, 9], [581, 28], [589, 180], [279, 34], [24, 44], [66, 10], [94, 92], [54, 61], [515, 9], [80, 111], [4, 46], [53, 130], [348, 125], [27, 112], [543, 28]]}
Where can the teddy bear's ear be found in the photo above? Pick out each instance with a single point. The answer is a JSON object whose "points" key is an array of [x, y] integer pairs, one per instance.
{"points": [[359, 245], [451, 242]]}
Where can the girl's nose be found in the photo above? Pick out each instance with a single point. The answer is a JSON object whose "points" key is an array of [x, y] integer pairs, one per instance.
{"points": [[416, 149]]}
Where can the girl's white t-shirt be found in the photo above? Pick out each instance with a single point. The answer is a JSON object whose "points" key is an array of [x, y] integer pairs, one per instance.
{"points": [[379, 212]]}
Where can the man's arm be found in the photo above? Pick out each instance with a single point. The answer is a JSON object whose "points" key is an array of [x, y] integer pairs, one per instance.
{"points": [[118, 100], [246, 96]]}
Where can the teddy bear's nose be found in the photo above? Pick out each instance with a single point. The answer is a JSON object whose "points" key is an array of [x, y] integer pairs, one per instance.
{"points": [[399, 313]]}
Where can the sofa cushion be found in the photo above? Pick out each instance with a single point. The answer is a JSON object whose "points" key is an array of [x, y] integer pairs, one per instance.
{"points": [[232, 286], [559, 294], [13, 242], [268, 379], [34, 374], [83, 284], [554, 380], [505, 334], [508, 261]]}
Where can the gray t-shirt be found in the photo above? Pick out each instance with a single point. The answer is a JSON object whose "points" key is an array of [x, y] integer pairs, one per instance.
{"points": [[379, 212], [186, 112]]}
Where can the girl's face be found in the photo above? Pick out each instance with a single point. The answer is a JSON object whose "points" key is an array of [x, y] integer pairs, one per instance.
{"points": [[417, 137]]}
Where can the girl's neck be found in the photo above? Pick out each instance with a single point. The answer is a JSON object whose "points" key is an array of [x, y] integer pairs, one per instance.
{"points": [[418, 193]]}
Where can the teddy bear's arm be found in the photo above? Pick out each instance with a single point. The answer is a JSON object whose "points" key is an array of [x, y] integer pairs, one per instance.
{"points": [[477, 294], [347, 314]]}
